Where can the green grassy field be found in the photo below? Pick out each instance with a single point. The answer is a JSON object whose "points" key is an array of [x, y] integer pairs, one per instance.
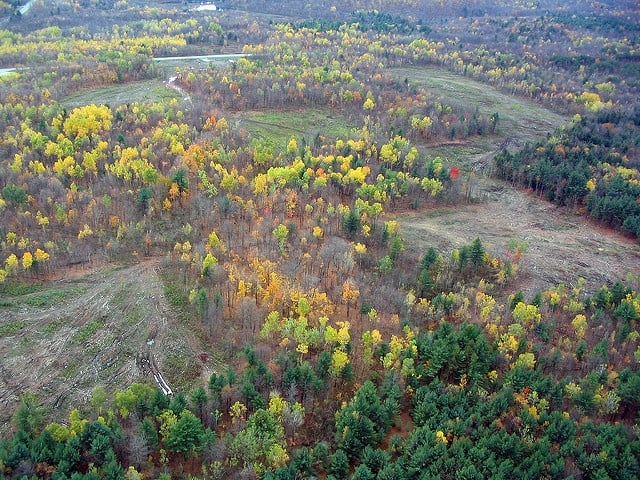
{"points": [[520, 120], [280, 126], [120, 94], [519, 117]]}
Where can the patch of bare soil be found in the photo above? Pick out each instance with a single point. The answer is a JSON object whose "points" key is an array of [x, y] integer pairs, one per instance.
{"points": [[106, 328], [562, 245]]}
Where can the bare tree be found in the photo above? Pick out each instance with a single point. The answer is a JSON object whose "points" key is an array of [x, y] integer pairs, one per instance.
{"points": [[138, 450]]}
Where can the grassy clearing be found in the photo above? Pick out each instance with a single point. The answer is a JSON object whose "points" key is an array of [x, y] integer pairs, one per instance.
{"points": [[520, 120], [519, 117], [119, 298], [175, 293], [120, 94], [280, 126], [13, 288], [86, 332], [34, 295], [70, 371], [465, 155], [133, 315], [51, 297], [54, 326]]}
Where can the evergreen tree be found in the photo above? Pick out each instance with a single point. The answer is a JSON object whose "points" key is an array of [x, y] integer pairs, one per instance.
{"points": [[186, 434], [476, 253]]}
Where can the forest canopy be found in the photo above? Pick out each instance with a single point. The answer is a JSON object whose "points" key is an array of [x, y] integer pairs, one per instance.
{"points": [[264, 313]]}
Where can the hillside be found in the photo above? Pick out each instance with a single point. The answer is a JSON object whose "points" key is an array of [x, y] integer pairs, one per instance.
{"points": [[374, 242], [94, 327]]}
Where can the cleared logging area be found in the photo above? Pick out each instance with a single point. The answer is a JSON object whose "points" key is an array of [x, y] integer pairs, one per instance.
{"points": [[64, 337], [563, 245]]}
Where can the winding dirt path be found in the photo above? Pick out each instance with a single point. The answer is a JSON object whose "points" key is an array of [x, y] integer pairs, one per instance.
{"points": [[171, 83]]}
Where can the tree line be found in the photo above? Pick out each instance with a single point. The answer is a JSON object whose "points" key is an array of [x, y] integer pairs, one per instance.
{"points": [[588, 164]]}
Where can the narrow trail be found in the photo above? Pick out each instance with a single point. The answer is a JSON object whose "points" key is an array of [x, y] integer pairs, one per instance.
{"points": [[171, 83]]}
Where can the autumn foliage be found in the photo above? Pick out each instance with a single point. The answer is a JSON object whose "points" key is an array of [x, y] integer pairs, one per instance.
{"points": [[347, 354]]}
